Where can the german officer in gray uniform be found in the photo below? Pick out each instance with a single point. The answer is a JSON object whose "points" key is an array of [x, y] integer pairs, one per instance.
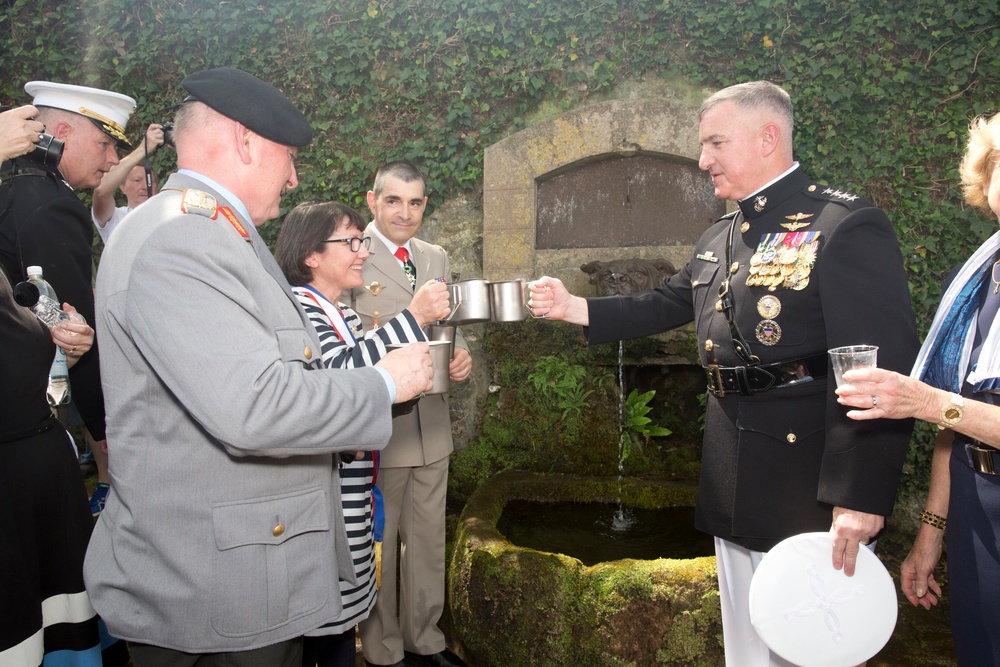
{"points": [[798, 269], [223, 533]]}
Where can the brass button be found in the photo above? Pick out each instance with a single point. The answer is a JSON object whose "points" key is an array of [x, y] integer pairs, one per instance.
{"points": [[709, 345], [791, 438], [308, 353], [279, 530], [718, 305], [734, 267], [376, 314], [812, 188]]}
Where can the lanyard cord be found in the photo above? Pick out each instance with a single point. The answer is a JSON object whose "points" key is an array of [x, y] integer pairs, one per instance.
{"points": [[729, 306]]}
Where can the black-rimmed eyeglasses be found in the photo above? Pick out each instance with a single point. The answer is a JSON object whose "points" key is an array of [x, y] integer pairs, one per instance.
{"points": [[354, 243]]}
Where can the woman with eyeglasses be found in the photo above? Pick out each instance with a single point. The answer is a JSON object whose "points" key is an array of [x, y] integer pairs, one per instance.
{"points": [[321, 250]]}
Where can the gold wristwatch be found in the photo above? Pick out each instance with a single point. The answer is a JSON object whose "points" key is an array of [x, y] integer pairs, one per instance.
{"points": [[952, 412]]}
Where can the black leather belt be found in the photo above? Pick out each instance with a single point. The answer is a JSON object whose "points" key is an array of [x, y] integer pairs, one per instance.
{"points": [[983, 459], [750, 380], [45, 425]]}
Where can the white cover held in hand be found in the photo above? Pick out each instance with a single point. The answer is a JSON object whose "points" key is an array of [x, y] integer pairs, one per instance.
{"points": [[815, 616]]}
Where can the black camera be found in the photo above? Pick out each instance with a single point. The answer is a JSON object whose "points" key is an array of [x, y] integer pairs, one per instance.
{"points": [[47, 151], [168, 134]]}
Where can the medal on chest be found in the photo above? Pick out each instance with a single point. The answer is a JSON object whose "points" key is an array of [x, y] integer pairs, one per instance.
{"points": [[784, 259]]}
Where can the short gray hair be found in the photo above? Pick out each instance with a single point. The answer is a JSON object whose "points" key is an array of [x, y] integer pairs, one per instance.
{"points": [[400, 169], [753, 95]]}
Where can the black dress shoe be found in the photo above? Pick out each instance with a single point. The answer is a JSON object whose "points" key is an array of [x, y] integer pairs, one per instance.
{"points": [[443, 659]]}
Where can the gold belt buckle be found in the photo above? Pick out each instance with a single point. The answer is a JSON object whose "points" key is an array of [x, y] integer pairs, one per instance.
{"points": [[982, 459], [715, 380]]}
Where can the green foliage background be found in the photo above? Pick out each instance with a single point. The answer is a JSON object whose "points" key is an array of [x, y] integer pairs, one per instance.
{"points": [[884, 90]]}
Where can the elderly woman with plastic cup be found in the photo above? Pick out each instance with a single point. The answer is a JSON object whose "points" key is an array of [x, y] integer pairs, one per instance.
{"points": [[955, 384], [321, 249]]}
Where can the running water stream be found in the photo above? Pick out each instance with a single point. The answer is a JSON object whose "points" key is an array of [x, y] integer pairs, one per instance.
{"points": [[623, 518]]}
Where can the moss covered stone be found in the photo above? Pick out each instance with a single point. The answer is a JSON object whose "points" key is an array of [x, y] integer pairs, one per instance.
{"points": [[515, 607]]}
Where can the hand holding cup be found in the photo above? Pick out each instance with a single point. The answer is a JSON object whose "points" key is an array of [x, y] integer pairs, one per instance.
{"points": [[411, 369], [430, 303], [877, 393]]}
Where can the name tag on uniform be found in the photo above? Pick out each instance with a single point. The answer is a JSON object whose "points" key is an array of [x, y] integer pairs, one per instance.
{"points": [[707, 256]]}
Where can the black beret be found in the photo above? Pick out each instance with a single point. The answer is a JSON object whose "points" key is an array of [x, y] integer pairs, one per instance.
{"points": [[258, 105]]}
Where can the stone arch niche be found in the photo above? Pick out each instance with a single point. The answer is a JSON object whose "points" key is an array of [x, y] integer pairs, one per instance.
{"points": [[611, 180]]}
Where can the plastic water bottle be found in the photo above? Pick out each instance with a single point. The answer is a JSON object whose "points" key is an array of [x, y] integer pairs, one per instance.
{"points": [[46, 308]]}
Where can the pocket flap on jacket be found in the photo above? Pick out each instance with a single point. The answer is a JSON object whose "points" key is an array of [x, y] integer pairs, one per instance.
{"points": [[293, 343], [804, 416], [269, 520]]}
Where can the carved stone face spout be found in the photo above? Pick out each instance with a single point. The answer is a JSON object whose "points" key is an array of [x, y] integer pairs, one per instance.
{"points": [[627, 276]]}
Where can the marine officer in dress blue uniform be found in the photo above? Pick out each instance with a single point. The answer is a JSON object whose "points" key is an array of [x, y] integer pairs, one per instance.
{"points": [[798, 269]]}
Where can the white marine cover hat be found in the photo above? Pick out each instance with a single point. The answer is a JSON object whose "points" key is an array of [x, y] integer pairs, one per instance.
{"points": [[108, 111]]}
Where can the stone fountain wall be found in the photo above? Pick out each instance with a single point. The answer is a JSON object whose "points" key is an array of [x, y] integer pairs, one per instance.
{"points": [[515, 169], [498, 238]]}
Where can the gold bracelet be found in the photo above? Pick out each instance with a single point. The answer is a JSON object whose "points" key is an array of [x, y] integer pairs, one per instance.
{"points": [[933, 520]]}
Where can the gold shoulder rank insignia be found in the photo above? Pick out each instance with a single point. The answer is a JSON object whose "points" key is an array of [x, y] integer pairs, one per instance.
{"points": [[202, 203], [796, 221]]}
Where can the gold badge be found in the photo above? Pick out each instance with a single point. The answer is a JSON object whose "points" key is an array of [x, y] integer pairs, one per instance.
{"points": [[759, 202], [768, 332], [375, 288], [769, 306], [796, 221], [202, 203]]}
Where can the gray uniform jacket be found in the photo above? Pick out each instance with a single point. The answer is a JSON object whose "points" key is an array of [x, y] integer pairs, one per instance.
{"points": [[223, 530]]}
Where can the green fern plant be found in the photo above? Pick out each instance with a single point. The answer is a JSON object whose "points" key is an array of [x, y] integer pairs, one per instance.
{"points": [[638, 427]]}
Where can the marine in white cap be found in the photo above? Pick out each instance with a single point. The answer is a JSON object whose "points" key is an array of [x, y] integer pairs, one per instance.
{"points": [[91, 122], [44, 223]]}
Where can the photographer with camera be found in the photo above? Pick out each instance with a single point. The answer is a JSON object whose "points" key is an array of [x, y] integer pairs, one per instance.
{"points": [[48, 616], [43, 222], [134, 175]]}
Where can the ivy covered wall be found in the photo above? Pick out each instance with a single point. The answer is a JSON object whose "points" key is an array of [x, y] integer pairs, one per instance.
{"points": [[883, 90]]}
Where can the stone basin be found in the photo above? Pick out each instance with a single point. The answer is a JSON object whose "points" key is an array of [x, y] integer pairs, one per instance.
{"points": [[517, 607]]}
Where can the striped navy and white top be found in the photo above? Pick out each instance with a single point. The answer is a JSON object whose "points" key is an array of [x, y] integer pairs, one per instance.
{"points": [[362, 349]]}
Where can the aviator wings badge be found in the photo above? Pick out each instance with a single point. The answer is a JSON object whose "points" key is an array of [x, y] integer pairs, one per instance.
{"points": [[796, 221]]}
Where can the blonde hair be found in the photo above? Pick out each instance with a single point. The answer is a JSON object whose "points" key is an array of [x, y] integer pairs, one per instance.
{"points": [[978, 163]]}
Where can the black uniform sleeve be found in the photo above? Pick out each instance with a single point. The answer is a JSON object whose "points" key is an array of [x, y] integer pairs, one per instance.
{"points": [[865, 299]]}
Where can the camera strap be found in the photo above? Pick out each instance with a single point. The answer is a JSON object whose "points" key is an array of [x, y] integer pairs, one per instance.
{"points": [[147, 167]]}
